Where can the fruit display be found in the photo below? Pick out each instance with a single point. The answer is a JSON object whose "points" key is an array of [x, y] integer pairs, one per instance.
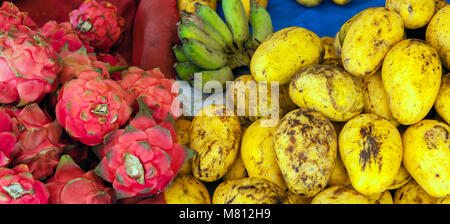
{"points": [[94, 107]]}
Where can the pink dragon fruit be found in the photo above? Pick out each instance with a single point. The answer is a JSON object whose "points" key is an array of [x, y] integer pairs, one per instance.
{"points": [[60, 34], [116, 61], [8, 136], [11, 16], [98, 23], [71, 185], [90, 109], [17, 186], [154, 89], [81, 65], [28, 67], [142, 159], [38, 144]]}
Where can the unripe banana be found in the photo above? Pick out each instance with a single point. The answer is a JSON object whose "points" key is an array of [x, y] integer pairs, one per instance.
{"points": [[204, 56], [186, 70], [222, 75], [238, 59], [237, 21], [179, 53], [261, 23], [191, 31], [211, 17]]}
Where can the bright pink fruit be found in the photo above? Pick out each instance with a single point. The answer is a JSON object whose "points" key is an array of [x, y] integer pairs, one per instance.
{"points": [[151, 87], [98, 23], [28, 67], [90, 109], [17, 186], [12, 17], [117, 61], [60, 34], [81, 65], [71, 185], [142, 159], [8, 135]]}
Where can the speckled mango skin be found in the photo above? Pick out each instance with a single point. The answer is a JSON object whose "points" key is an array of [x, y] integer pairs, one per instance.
{"points": [[237, 170], [368, 38], [255, 190], [411, 76], [442, 104], [438, 34], [401, 178], [413, 193], [375, 97], [329, 90], [186, 189], [182, 129], [382, 198], [305, 145], [371, 150], [415, 13], [440, 4], [221, 190], [427, 156], [309, 3], [215, 134], [258, 153], [284, 52], [339, 194]]}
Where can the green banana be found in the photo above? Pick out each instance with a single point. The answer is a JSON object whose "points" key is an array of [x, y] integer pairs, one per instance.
{"points": [[191, 31], [202, 55], [179, 53], [238, 59], [211, 17], [221, 75], [237, 21], [186, 70], [261, 23]]}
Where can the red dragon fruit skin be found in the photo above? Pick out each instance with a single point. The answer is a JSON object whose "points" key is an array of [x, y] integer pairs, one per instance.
{"points": [[38, 144], [152, 88], [11, 16], [71, 185], [98, 23], [60, 34], [8, 136], [17, 186], [28, 67], [90, 109], [81, 65], [116, 60], [142, 159]]}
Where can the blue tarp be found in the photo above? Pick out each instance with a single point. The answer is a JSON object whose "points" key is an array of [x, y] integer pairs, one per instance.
{"points": [[324, 20]]}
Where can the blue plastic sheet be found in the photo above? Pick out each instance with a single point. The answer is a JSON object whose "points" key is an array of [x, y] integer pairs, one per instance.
{"points": [[324, 19]]}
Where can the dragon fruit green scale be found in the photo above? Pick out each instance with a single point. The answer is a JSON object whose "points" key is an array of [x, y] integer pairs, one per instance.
{"points": [[142, 159], [98, 23], [89, 109]]}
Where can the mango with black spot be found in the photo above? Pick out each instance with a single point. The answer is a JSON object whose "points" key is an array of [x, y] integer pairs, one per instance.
{"points": [[284, 52], [182, 130], [411, 76], [415, 13], [401, 178], [381, 198], [371, 150], [221, 190], [339, 194], [438, 34], [186, 189], [367, 37], [329, 90], [305, 145], [255, 190], [427, 155], [215, 134], [413, 193], [328, 46]]}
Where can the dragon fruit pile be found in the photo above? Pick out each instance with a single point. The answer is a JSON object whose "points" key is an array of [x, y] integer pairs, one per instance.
{"points": [[77, 123]]}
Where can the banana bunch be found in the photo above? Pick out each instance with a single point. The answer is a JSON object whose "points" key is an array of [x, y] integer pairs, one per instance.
{"points": [[214, 47]]}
